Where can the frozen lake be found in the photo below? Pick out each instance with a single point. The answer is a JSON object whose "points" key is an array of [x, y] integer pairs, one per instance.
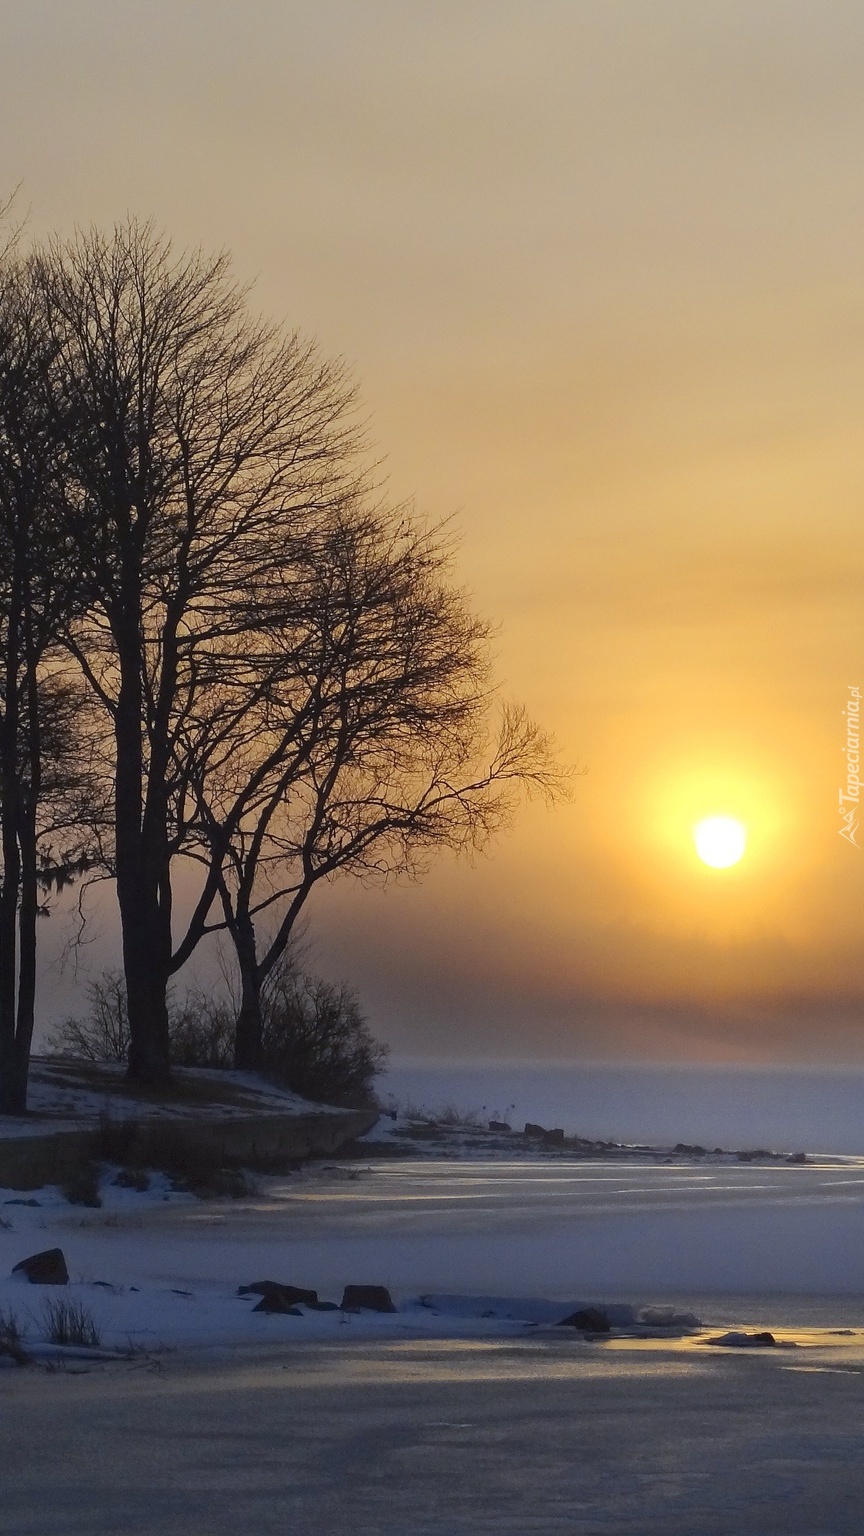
{"points": [[365, 1426], [555, 1228]]}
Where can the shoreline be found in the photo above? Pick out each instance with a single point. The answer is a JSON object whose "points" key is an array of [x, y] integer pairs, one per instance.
{"points": [[408, 1135]]}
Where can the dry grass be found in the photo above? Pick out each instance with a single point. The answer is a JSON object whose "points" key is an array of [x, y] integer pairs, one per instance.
{"points": [[69, 1322], [446, 1116], [12, 1339]]}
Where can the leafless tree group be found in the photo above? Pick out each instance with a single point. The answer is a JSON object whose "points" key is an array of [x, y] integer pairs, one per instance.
{"points": [[220, 647]]}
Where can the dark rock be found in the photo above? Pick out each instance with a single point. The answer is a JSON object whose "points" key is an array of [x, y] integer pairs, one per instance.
{"points": [[48, 1268], [273, 1303], [533, 1130], [290, 1295], [589, 1319], [368, 1298], [747, 1157], [694, 1151], [735, 1340], [323, 1306], [797, 1157], [556, 1135], [498, 1125]]}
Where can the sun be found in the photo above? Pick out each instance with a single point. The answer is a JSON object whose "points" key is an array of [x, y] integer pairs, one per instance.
{"points": [[720, 841]]}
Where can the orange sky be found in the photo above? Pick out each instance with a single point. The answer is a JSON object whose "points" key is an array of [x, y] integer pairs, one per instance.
{"points": [[598, 268]]}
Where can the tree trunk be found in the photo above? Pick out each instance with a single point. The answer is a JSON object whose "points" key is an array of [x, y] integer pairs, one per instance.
{"points": [[11, 881], [247, 1040], [28, 843], [146, 992], [28, 914], [8, 963], [145, 962]]}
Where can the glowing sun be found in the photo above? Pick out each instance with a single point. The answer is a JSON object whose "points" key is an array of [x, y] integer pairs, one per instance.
{"points": [[720, 841]]}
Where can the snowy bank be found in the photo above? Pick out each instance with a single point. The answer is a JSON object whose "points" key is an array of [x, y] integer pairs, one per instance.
{"points": [[82, 1110]]}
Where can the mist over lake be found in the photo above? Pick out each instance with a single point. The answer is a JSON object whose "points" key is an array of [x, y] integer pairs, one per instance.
{"points": [[786, 1108]]}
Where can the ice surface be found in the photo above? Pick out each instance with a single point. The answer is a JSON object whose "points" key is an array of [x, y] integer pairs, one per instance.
{"points": [[532, 1436]]}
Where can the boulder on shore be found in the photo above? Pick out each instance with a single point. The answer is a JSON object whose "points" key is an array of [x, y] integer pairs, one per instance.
{"points": [[289, 1295], [47, 1268], [367, 1298], [735, 1340], [273, 1303], [588, 1319]]}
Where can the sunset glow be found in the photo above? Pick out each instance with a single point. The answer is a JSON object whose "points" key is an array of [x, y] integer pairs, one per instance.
{"points": [[600, 289]]}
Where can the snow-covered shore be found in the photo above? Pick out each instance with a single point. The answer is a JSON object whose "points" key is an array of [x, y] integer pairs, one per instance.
{"points": [[743, 1246]]}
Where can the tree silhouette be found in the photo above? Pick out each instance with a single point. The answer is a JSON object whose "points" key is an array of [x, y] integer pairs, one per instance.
{"points": [[220, 647], [47, 786], [371, 744], [201, 447]]}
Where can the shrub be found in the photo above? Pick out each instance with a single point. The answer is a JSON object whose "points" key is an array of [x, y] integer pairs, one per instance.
{"points": [[103, 1033], [202, 1032], [69, 1322], [315, 1038], [198, 1169], [133, 1178], [81, 1185]]}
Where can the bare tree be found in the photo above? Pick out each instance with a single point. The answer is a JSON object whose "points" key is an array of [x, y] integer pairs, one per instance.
{"points": [[44, 777], [288, 684], [203, 450], [372, 745]]}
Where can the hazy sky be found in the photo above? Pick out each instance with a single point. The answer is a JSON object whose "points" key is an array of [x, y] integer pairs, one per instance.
{"points": [[598, 266]]}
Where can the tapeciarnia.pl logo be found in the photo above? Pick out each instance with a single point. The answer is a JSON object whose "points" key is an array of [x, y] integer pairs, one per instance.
{"points": [[850, 797]]}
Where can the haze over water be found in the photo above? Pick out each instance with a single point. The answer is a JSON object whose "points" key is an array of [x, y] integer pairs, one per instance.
{"points": [[787, 1108]]}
